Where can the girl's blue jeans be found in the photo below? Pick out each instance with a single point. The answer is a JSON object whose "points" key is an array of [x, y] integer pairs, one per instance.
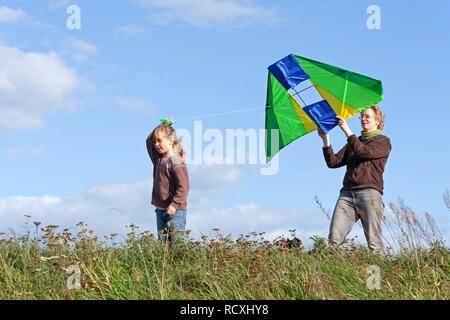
{"points": [[167, 224]]}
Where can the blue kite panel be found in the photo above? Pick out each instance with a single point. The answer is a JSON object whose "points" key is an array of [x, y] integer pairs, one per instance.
{"points": [[322, 115], [288, 72]]}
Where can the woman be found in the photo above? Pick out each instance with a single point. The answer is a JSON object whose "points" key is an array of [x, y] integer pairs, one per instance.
{"points": [[361, 194]]}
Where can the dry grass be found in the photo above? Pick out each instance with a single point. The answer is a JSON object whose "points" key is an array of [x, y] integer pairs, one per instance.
{"points": [[38, 264]]}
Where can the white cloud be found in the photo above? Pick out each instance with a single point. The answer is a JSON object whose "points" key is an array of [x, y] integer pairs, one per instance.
{"points": [[19, 119], [25, 152], [79, 50], [222, 177], [31, 85], [8, 15], [57, 4], [107, 208], [202, 13], [130, 29], [82, 46], [136, 105], [251, 217]]}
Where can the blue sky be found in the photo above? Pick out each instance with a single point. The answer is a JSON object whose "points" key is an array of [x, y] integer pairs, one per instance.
{"points": [[77, 106]]}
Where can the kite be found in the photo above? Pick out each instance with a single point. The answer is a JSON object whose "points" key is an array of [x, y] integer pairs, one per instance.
{"points": [[303, 95]]}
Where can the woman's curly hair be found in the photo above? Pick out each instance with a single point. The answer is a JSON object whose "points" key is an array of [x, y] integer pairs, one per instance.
{"points": [[379, 116]]}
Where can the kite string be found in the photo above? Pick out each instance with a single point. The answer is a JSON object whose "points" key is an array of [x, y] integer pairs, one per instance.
{"points": [[211, 115]]}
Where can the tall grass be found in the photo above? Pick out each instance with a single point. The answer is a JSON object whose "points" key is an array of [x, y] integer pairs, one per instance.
{"points": [[36, 265]]}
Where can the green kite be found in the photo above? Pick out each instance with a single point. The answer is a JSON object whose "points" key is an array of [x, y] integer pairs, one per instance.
{"points": [[303, 94]]}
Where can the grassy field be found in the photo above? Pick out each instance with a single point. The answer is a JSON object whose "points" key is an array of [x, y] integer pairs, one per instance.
{"points": [[46, 263]]}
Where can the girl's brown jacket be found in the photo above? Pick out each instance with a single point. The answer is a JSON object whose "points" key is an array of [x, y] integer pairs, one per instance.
{"points": [[170, 179]]}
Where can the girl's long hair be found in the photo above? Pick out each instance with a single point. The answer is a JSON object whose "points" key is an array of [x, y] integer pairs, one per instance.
{"points": [[169, 132]]}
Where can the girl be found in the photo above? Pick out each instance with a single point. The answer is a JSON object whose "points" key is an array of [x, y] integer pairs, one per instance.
{"points": [[170, 179], [361, 195]]}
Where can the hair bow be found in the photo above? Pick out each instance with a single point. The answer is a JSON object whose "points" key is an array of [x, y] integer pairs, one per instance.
{"points": [[168, 122]]}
